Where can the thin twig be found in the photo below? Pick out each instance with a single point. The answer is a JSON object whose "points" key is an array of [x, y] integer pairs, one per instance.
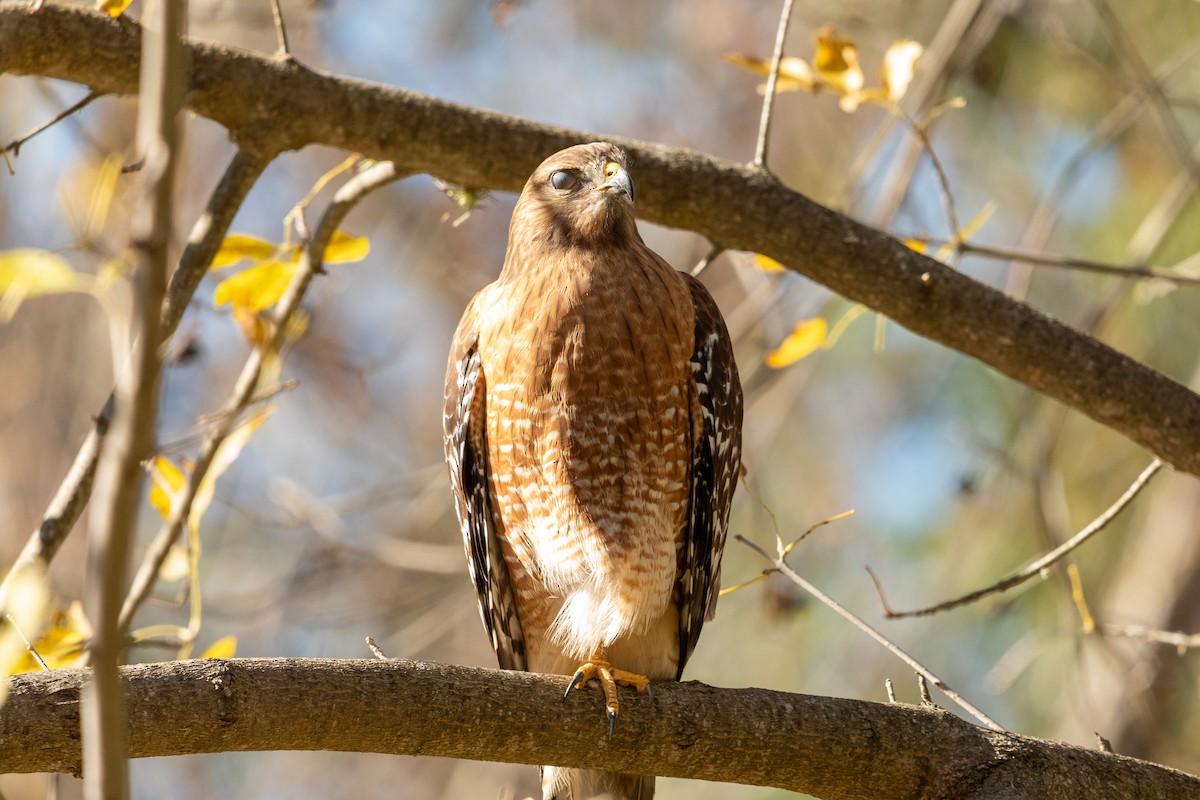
{"points": [[764, 122], [311, 261], [376, 650], [29, 648], [943, 179], [704, 263], [1036, 567], [1070, 262], [1158, 100], [209, 230], [1174, 638], [15, 144], [781, 566], [280, 30], [119, 475]]}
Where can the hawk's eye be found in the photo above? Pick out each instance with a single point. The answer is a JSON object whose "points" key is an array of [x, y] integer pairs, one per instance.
{"points": [[563, 180]]}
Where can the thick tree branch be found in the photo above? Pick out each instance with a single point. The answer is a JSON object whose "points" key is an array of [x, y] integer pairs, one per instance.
{"points": [[285, 105], [827, 747]]}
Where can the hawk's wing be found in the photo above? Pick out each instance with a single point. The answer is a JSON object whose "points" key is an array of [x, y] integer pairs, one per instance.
{"points": [[465, 429], [716, 398]]}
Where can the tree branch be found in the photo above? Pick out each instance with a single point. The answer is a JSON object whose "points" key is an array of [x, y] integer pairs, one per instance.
{"points": [[828, 747], [285, 106]]}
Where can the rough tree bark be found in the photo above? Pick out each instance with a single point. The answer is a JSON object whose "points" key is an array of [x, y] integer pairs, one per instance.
{"points": [[283, 105], [828, 747]]}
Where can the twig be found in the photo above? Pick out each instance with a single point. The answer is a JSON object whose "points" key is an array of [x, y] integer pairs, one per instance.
{"points": [[704, 263], [764, 122], [1158, 100], [311, 260], [15, 144], [1174, 638], [280, 30], [376, 650], [76, 488], [29, 648], [1070, 262], [781, 566], [922, 135], [1036, 567], [119, 474]]}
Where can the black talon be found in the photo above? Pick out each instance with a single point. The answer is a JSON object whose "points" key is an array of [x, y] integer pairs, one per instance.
{"points": [[574, 681], [612, 723]]}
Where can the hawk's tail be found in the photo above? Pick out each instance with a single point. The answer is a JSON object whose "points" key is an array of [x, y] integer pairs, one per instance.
{"points": [[586, 784]]}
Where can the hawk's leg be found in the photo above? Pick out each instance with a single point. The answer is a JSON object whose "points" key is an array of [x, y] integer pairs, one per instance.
{"points": [[597, 668]]}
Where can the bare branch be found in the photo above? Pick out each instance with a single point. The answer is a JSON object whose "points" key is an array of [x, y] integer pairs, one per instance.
{"points": [[1036, 567], [780, 565], [76, 489], [1183, 641], [15, 145], [135, 413], [741, 207], [764, 123], [1068, 262], [311, 261], [827, 747]]}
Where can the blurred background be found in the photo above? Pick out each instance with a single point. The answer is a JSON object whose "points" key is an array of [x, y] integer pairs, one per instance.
{"points": [[1079, 130]]}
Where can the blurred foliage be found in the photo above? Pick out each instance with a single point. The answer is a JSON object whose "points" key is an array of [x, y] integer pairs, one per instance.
{"points": [[335, 523]]}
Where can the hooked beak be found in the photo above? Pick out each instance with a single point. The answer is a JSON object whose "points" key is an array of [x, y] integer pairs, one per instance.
{"points": [[618, 182]]}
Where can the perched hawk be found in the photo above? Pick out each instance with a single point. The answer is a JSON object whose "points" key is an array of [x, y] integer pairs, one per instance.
{"points": [[593, 432]]}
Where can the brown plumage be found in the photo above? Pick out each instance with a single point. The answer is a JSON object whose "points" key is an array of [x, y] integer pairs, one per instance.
{"points": [[593, 433]]}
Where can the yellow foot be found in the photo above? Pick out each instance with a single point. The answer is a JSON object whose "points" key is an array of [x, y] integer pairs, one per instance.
{"points": [[600, 670]]}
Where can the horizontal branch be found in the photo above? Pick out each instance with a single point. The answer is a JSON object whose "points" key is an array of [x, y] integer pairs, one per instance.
{"points": [[826, 747], [283, 105]]}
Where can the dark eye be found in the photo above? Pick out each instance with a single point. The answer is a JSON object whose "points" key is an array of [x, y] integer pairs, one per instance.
{"points": [[563, 180]]}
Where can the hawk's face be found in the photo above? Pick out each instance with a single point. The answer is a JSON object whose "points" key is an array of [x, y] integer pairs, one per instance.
{"points": [[580, 196]]}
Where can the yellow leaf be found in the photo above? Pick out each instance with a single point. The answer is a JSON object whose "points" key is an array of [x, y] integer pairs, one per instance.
{"points": [[34, 272], [257, 288], [806, 337], [768, 264], [64, 642], [344, 248], [115, 8], [836, 63], [919, 245], [225, 647], [237, 246], [794, 73], [899, 63], [165, 480], [23, 608]]}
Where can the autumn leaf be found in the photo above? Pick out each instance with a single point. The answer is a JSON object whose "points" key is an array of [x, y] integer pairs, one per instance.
{"points": [[64, 642], [165, 480], [238, 246], [29, 272], [836, 63], [344, 248], [23, 607], [899, 64], [256, 288], [114, 8], [807, 336], [795, 74], [768, 264], [225, 647]]}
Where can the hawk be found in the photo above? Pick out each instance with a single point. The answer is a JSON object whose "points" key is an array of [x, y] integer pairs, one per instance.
{"points": [[593, 434]]}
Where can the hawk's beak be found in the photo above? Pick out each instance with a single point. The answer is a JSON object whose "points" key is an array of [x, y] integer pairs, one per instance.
{"points": [[618, 181]]}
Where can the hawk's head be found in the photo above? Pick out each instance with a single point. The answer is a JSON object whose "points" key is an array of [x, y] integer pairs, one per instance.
{"points": [[581, 196]]}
